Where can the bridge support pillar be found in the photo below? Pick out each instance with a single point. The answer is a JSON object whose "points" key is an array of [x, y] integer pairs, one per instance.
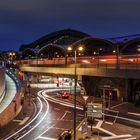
{"points": [[79, 79]]}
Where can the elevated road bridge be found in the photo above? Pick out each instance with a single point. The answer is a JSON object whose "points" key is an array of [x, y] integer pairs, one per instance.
{"points": [[83, 70], [124, 83]]}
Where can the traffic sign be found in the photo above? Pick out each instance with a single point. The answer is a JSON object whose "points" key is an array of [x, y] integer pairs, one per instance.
{"points": [[89, 110], [85, 97], [84, 128], [97, 110], [94, 110]]}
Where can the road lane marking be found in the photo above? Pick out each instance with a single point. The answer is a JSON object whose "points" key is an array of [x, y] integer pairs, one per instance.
{"points": [[106, 131], [98, 126], [136, 114], [56, 109], [24, 120], [24, 131], [111, 123], [129, 139], [100, 122], [47, 138], [112, 134], [63, 115], [23, 126], [81, 115], [116, 111], [44, 132], [118, 105], [60, 102], [17, 121], [117, 136], [40, 119], [16, 136], [123, 118], [68, 111]]}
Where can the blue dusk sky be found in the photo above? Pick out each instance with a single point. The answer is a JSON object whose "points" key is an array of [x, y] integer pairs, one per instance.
{"points": [[24, 21]]}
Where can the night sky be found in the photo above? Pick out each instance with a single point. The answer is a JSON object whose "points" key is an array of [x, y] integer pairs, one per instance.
{"points": [[24, 21]]}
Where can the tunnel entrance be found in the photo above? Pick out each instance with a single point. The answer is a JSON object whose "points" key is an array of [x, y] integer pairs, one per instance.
{"points": [[109, 93]]}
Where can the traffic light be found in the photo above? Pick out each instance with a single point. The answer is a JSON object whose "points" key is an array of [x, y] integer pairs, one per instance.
{"points": [[110, 94], [57, 83]]}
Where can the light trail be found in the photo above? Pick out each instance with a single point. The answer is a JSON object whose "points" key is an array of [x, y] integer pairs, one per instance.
{"points": [[58, 101], [39, 113], [26, 124]]}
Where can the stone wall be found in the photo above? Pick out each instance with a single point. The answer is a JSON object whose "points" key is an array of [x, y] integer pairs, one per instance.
{"points": [[2, 83], [12, 109]]}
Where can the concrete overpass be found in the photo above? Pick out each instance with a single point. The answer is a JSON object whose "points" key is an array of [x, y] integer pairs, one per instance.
{"points": [[123, 82], [83, 70]]}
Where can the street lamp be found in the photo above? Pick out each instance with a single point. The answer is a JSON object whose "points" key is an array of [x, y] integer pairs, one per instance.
{"points": [[80, 48], [12, 57]]}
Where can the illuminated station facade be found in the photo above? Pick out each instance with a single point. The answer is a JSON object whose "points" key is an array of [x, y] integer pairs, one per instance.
{"points": [[123, 52]]}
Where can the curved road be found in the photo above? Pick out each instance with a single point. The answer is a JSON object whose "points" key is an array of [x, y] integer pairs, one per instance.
{"points": [[52, 118]]}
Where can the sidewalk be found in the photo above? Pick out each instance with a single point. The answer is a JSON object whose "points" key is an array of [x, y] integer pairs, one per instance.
{"points": [[87, 136], [128, 118], [18, 122], [126, 115]]}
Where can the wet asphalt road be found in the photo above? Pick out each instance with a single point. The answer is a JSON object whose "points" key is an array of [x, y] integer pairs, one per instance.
{"points": [[51, 119]]}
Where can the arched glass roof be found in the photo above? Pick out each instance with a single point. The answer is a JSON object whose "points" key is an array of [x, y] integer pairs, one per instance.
{"points": [[131, 47], [63, 37], [95, 46], [28, 53], [51, 51]]}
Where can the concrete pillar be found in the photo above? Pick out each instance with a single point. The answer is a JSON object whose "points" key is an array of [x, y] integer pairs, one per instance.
{"points": [[79, 79], [131, 90], [125, 96]]}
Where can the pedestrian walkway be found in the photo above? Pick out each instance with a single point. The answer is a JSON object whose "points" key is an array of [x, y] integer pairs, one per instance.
{"points": [[101, 133]]}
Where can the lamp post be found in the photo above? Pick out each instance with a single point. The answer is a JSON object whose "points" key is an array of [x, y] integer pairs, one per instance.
{"points": [[70, 84], [104, 104], [117, 58], [75, 77], [80, 48], [12, 57]]}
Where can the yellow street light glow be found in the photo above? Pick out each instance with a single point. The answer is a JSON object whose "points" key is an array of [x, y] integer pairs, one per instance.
{"points": [[79, 54], [12, 53], [114, 51], [131, 60], [85, 61], [80, 48], [138, 49], [94, 53], [103, 60], [69, 48]]}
